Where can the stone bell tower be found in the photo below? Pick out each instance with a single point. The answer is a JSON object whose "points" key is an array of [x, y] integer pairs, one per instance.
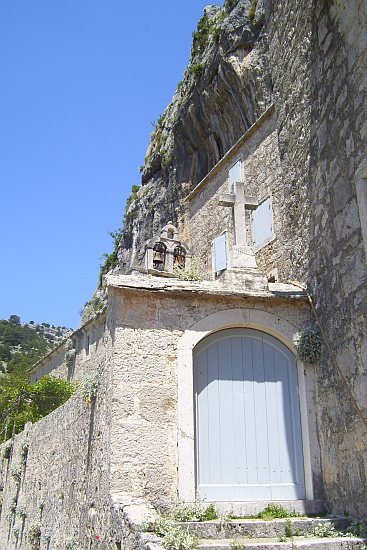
{"points": [[166, 252]]}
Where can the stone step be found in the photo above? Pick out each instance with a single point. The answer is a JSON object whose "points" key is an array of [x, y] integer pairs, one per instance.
{"points": [[253, 507], [255, 528], [337, 543]]}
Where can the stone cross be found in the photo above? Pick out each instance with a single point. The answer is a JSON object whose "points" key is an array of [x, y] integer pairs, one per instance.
{"points": [[243, 254]]}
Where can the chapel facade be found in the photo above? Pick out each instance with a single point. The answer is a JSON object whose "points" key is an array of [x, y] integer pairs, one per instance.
{"points": [[200, 391]]}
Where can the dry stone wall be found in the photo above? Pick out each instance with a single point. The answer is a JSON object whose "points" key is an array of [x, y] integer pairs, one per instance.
{"points": [[59, 487]]}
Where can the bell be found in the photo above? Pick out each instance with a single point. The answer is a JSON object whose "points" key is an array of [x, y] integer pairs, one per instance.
{"points": [[179, 256], [158, 257], [180, 261]]}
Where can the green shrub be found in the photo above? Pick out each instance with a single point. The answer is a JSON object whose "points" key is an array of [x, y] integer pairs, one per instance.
{"points": [[21, 511], [288, 531], [16, 472], [216, 34], [93, 308], [7, 450], [28, 403], [274, 511], [90, 386], [48, 394], [34, 536], [358, 528], [189, 273], [70, 351], [24, 452], [209, 513], [324, 530], [187, 511], [121, 234], [201, 35], [229, 4], [207, 29], [175, 538], [309, 346], [198, 70], [12, 506], [252, 9]]}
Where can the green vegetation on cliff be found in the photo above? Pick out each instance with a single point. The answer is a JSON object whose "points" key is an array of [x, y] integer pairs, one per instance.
{"points": [[224, 89], [121, 235]]}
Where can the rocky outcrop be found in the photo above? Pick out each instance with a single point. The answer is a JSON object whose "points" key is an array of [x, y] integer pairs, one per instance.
{"points": [[224, 90]]}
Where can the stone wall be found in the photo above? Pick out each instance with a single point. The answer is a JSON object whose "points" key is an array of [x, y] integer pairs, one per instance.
{"points": [[63, 487], [89, 466], [318, 53], [289, 32], [144, 433], [87, 341], [338, 269], [258, 152]]}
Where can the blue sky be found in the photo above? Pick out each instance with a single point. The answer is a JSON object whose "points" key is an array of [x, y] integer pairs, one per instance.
{"points": [[82, 81]]}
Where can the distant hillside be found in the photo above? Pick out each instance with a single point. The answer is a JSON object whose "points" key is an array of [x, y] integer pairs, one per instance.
{"points": [[22, 344]]}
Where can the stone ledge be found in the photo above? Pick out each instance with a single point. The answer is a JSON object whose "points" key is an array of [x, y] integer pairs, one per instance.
{"points": [[304, 543], [259, 528], [157, 284]]}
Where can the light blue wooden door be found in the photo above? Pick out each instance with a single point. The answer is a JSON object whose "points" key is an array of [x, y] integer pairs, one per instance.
{"points": [[248, 425]]}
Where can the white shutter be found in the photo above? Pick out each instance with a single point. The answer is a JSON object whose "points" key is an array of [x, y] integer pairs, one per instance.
{"points": [[220, 253], [235, 174], [262, 223]]}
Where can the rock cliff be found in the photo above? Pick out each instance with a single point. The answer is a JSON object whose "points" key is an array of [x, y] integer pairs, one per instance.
{"points": [[224, 90]]}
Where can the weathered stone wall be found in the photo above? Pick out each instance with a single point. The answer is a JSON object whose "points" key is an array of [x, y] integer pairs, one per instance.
{"points": [[338, 270], [318, 66], [64, 477], [122, 448], [144, 436], [53, 363], [289, 31], [87, 340], [258, 152]]}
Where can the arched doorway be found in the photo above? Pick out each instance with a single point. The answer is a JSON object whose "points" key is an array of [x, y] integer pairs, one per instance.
{"points": [[248, 435]]}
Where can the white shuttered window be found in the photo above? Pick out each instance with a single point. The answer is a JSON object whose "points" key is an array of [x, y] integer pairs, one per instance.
{"points": [[235, 174], [219, 253], [262, 223]]}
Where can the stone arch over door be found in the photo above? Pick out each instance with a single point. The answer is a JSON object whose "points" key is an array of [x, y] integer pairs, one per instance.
{"points": [[257, 319]]}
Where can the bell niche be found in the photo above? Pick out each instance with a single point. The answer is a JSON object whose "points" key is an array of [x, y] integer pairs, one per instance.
{"points": [[166, 253]]}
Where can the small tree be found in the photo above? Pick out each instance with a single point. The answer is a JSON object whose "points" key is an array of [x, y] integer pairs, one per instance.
{"points": [[14, 319], [22, 402]]}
